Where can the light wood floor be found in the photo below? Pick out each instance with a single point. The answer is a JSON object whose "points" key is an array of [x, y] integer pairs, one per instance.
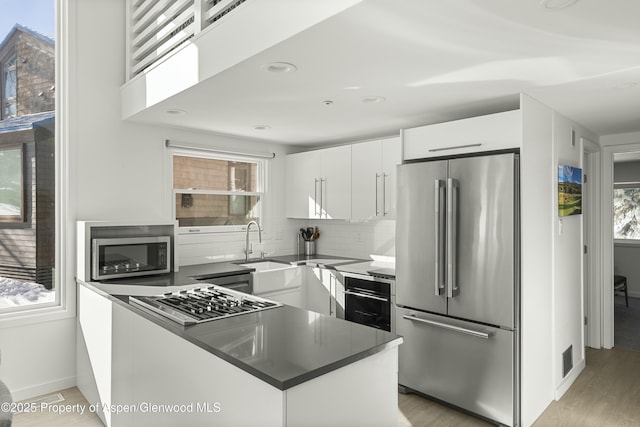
{"points": [[607, 393]]}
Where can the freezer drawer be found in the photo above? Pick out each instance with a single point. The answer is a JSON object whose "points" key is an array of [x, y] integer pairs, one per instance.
{"points": [[462, 363]]}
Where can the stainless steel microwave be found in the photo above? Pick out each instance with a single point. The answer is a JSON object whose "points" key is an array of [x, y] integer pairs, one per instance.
{"points": [[113, 258]]}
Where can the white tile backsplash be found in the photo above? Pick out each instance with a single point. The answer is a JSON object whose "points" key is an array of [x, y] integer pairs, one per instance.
{"points": [[353, 239], [340, 238]]}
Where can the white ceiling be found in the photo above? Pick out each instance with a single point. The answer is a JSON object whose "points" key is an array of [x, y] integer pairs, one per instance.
{"points": [[432, 60]]}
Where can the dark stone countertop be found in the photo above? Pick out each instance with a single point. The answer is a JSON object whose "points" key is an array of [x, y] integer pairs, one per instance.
{"points": [[190, 274], [283, 346]]}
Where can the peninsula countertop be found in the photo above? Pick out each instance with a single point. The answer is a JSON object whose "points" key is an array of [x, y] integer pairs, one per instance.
{"points": [[283, 346]]}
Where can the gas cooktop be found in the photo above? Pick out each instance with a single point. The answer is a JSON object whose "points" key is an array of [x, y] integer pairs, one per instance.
{"points": [[199, 305]]}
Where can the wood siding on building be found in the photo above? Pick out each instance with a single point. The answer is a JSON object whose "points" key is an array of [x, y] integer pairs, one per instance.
{"points": [[27, 249]]}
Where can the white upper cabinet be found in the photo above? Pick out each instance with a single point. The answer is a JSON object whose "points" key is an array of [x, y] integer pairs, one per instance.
{"points": [[303, 170], [483, 133], [319, 184], [335, 183], [373, 178]]}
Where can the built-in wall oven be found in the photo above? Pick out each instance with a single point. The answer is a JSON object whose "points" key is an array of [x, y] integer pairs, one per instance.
{"points": [[369, 300]]}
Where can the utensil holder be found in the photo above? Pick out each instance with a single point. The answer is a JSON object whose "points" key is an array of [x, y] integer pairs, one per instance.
{"points": [[309, 247]]}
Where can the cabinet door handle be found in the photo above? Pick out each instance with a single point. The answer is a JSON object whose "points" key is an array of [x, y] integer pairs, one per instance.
{"points": [[322, 191], [331, 287], [384, 194], [454, 147], [377, 210], [315, 197]]}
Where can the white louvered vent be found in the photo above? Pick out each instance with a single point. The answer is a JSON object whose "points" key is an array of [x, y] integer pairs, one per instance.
{"points": [[216, 9], [157, 27]]}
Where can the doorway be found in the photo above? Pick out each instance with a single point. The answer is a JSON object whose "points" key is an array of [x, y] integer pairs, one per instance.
{"points": [[609, 154], [626, 249]]}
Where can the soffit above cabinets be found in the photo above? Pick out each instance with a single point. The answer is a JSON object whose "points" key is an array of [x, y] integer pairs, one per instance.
{"points": [[431, 61]]}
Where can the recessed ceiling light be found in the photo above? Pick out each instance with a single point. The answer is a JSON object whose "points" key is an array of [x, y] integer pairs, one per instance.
{"points": [[262, 127], [351, 87], [175, 112], [372, 99], [327, 102], [557, 4], [279, 67]]}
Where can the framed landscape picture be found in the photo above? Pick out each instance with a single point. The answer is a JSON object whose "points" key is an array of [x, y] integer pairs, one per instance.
{"points": [[569, 190]]}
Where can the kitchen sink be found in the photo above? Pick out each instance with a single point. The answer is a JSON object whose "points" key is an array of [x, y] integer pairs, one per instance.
{"points": [[261, 266], [273, 276], [319, 262]]}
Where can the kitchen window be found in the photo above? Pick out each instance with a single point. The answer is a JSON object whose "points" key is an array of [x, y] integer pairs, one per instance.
{"points": [[216, 193], [626, 213]]}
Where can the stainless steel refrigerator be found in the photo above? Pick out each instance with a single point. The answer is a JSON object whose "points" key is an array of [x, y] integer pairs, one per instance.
{"points": [[458, 280]]}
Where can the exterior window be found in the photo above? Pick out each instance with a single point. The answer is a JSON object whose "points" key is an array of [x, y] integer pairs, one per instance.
{"points": [[626, 212], [217, 192], [9, 88], [30, 272], [11, 200]]}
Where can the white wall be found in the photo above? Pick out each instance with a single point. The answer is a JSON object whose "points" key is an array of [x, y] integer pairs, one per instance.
{"points": [[568, 261], [626, 264], [38, 358], [536, 335], [551, 260]]}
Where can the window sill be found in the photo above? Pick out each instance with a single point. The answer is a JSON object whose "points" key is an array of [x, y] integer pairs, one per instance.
{"points": [[627, 243], [35, 315]]}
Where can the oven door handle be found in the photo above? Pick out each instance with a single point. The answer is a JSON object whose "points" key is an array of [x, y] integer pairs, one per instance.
{"points": [[358, 294]]}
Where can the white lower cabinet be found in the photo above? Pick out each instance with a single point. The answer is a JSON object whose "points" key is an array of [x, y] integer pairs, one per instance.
{"points": [[292, 297], [284, 285], [318, 291], [324, 291]]}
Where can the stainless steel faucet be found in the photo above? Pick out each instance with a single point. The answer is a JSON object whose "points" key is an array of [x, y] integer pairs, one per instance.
{"points": [[248, 249]]}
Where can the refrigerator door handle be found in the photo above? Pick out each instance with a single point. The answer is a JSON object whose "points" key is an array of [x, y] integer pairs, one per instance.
{"points": [[452, 238], [439, 240], [478, 334]]}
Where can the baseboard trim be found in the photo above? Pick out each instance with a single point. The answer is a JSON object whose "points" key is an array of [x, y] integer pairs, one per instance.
{"points": [[566, 383], [44, 388]]}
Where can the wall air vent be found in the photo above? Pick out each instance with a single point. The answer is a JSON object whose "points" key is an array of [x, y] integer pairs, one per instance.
{"points": [[567, 361]]}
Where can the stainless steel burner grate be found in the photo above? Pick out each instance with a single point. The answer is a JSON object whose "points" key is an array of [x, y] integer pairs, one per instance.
{"points": [[202, 304]]}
